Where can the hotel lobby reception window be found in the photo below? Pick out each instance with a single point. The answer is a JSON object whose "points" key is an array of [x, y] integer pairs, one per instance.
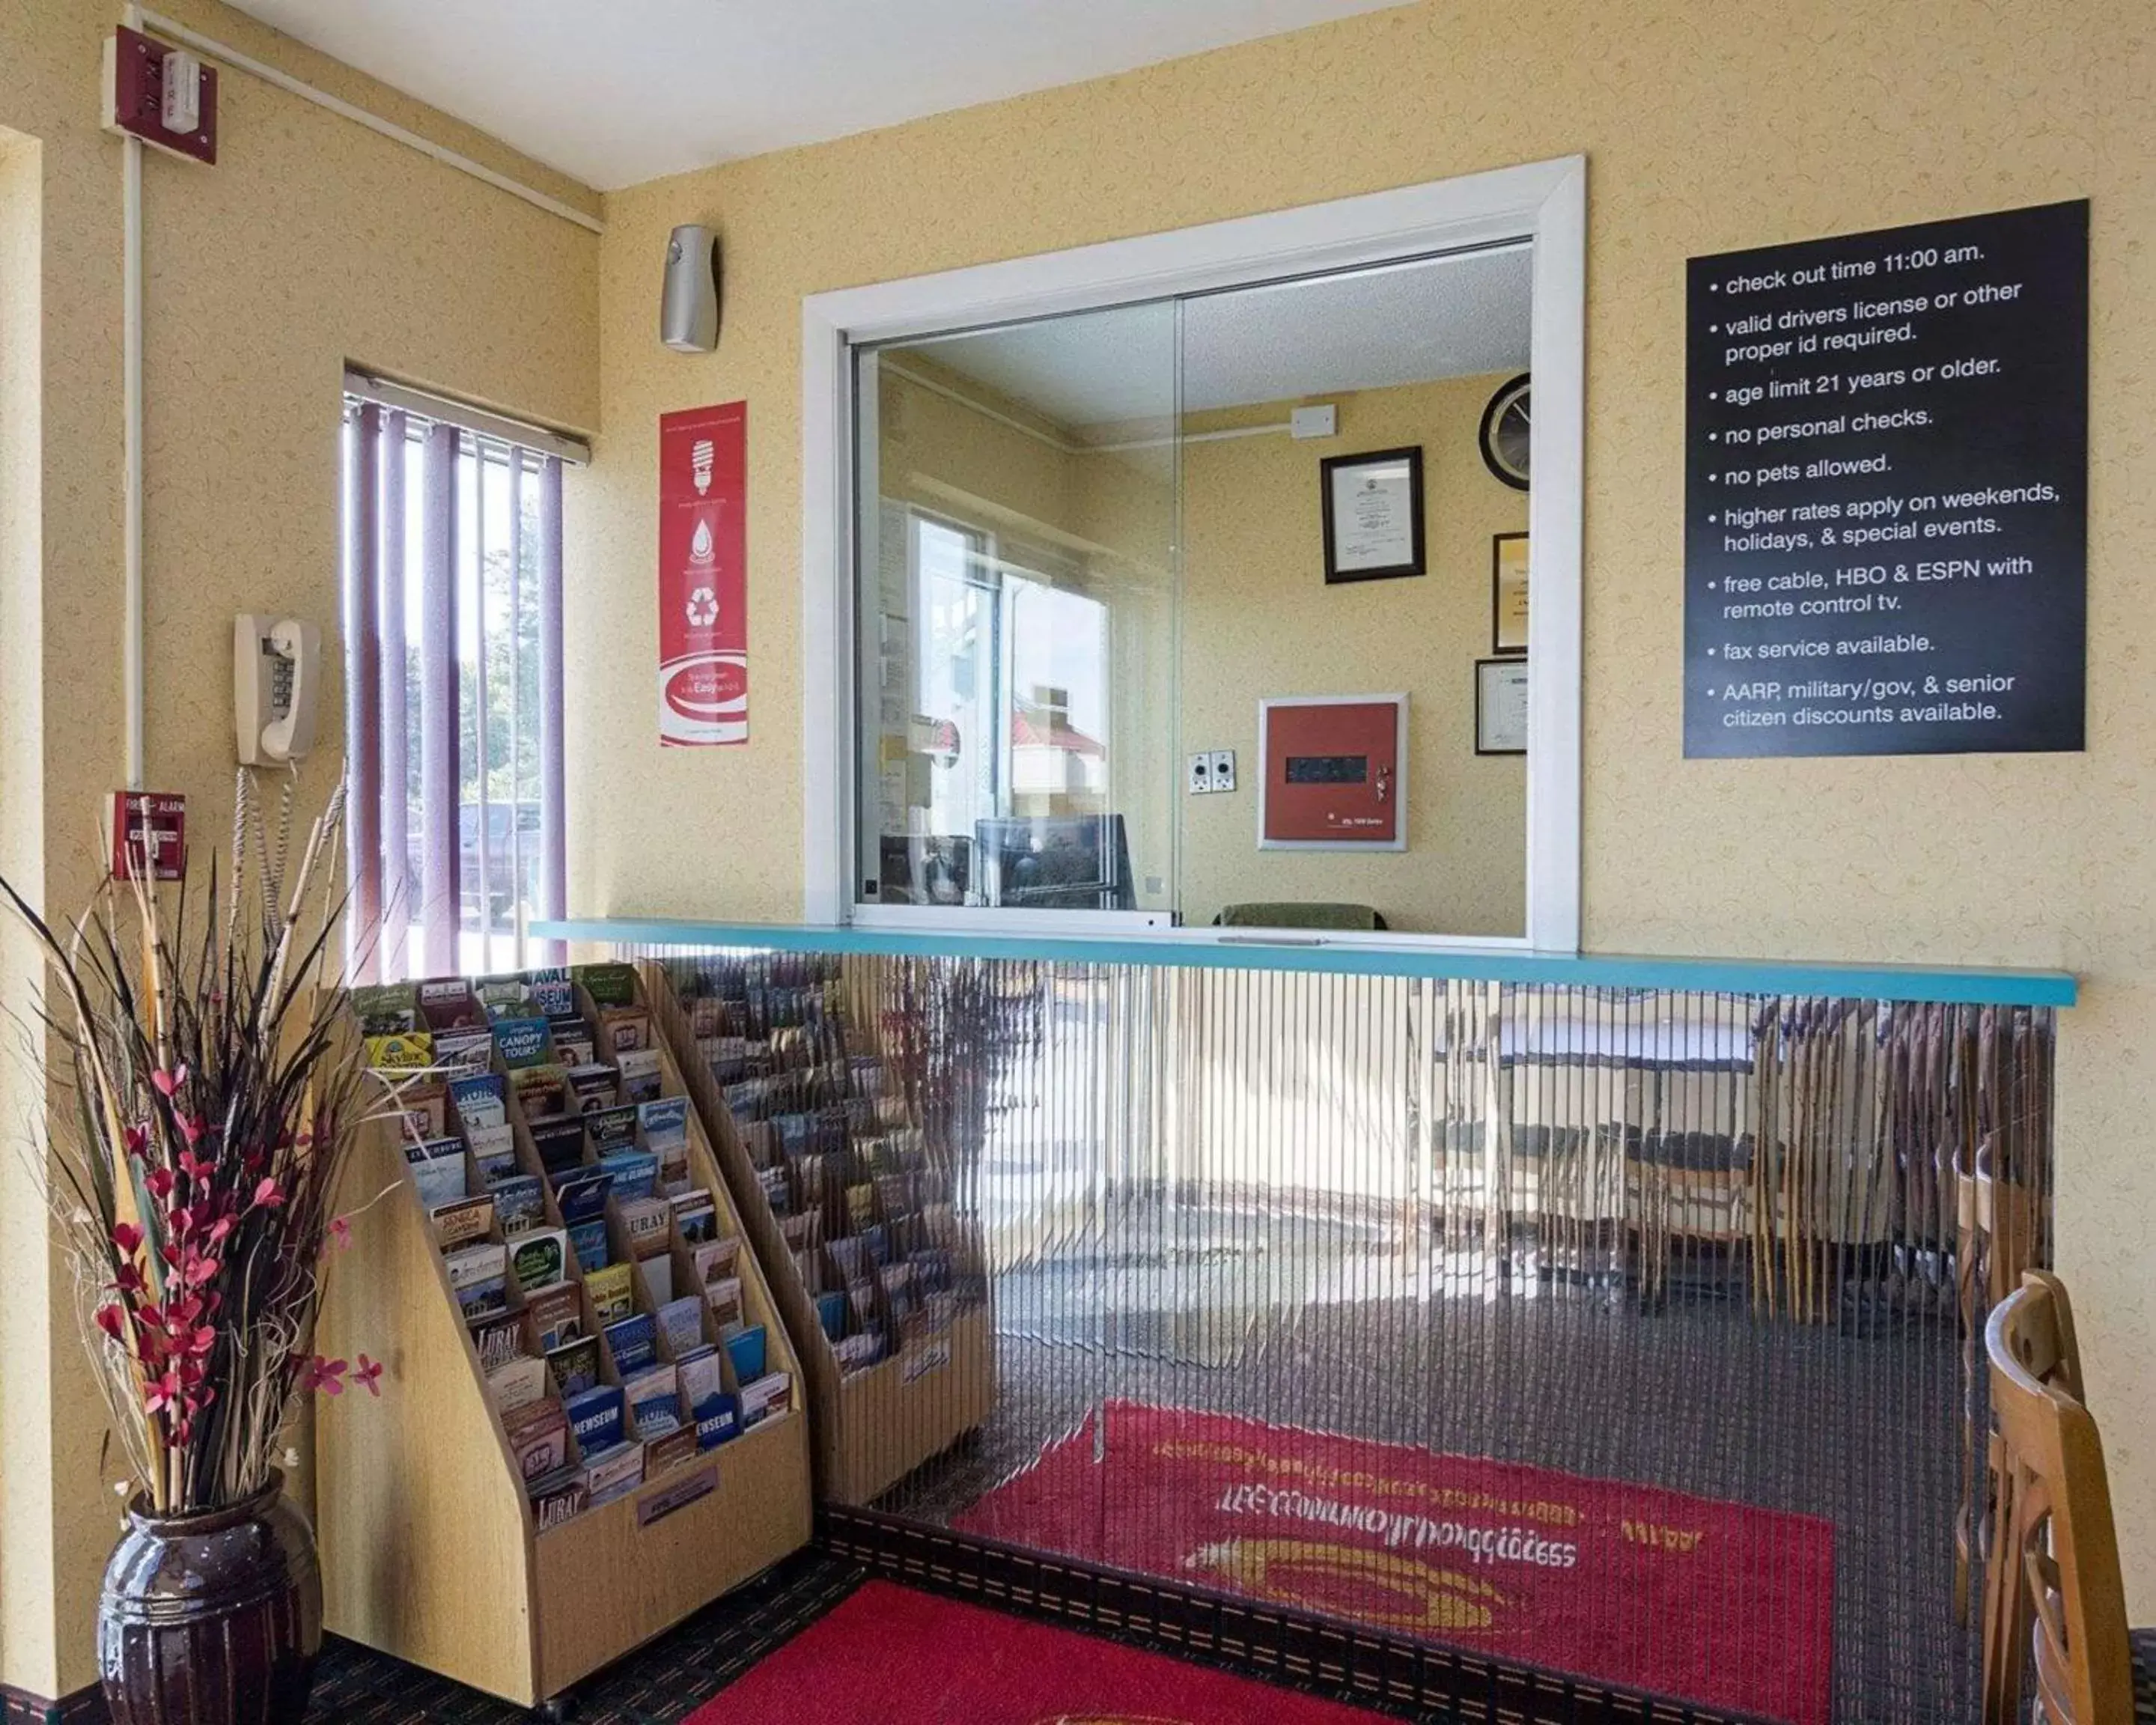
{"points": [[1092, 551]]}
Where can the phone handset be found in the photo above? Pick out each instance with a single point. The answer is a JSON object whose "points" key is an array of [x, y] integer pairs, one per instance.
{"points": [[276, 668]]}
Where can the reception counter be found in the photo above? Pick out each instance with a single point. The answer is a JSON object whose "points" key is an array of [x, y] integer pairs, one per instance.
{"points": [[1209, 950]]}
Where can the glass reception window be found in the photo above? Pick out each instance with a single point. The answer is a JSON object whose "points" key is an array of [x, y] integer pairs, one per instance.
{"points": [[1017, 591], [1092, 549]]}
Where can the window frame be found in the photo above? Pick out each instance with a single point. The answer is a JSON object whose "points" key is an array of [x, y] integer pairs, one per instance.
{"points": [[532, 461], [1544, 203]]}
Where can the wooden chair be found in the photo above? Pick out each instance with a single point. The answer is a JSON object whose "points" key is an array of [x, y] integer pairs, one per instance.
{"points": [[1996, 1237], [2053, 1585]]}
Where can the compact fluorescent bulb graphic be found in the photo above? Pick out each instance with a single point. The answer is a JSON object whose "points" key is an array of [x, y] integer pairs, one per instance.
{"points": [[699, 465]]}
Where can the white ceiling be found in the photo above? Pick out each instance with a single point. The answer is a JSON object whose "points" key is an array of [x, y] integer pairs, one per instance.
{"points": [[1454, 316], [617, 91]]}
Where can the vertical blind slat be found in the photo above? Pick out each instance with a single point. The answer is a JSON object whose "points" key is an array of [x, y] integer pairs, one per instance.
{"points": [[516, 906], [362, 694], [553, 854], [437, 699], [482, 743], [393, 790]]}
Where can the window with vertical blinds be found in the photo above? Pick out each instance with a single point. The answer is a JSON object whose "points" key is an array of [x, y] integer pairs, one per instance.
{"points": [[452, 580]]}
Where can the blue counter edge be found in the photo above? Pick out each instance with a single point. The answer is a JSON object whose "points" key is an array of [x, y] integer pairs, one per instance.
{"points": [[1600, 970]]}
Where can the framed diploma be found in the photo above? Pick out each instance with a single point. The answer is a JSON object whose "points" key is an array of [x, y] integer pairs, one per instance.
{"points": [[1508, 593], [1501, 706], [1373, 506]]}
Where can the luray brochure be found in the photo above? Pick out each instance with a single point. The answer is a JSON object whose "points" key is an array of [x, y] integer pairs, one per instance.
{"points": [[600, 1281]]}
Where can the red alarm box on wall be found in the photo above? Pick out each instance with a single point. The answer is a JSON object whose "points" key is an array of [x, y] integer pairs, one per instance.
{"points": [[1335, 772]]}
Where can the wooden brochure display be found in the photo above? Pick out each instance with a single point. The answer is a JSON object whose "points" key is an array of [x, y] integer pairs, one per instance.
{"points": [[431, 1550], [874, 1424]]}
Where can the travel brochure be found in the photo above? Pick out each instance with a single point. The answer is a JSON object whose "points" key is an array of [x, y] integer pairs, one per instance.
{"points": [[867, 1213], [599, 1281]]}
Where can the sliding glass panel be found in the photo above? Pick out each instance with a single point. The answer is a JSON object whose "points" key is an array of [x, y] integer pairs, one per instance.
{"points": [[1354, 591], [1018, 616]]}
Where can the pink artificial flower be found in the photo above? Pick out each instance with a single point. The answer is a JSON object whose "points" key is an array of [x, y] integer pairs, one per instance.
{"points": [[267, 1194], [369, 1374], [129, 1281], [159, 1183], [168, 1082], [190, 1129], [340, 1231], [325, 1375], [113, 1321], [138, 1139], [127, 1237]]}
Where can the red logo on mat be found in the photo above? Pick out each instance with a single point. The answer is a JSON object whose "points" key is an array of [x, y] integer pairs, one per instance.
{"points": [[1623, 1583]]}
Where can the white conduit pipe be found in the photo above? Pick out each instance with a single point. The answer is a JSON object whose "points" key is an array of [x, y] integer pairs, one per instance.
{"points": [[137, 18], [131, 670], [268, 73]]}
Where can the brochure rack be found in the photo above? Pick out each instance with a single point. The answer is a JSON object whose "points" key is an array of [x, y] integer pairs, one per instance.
{"points": [[432, 1550], [935, 1384]]}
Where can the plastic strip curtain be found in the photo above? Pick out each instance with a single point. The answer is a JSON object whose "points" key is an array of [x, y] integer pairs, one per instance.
{"points": [[1631, 1335]]}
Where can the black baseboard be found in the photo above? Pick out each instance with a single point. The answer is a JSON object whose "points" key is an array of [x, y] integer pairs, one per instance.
{"points": [[1265, 1640], [85, 1706]]}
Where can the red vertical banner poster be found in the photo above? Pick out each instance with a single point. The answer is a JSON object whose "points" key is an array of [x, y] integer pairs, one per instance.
{"points": [[703, 575]]}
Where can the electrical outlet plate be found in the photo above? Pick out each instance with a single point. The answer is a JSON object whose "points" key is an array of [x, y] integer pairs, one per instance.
{"points": [[1223, 769], [1200, 775]]}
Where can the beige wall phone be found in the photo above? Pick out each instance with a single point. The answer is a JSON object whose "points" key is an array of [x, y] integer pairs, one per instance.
{"points": [[277, 672]]}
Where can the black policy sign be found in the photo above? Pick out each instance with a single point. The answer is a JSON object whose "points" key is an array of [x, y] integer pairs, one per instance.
{"points": [[1886, 491]]}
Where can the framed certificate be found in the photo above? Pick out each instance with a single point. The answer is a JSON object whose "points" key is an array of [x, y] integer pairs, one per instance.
{"points": [[1501, 706], [1508, 593], [1373, 506]]}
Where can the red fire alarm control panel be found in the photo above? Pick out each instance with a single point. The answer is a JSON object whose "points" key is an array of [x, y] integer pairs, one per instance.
{"points": [[1335, 772], [162, 95]]}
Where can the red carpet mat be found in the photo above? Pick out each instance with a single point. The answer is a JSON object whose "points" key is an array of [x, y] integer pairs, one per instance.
{"points": [[892, 1656], [1699, 1600]]}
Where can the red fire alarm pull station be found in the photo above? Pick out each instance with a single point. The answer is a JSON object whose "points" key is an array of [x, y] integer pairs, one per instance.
{"points": [[149, 832], [162, 95], [1335, 772]]}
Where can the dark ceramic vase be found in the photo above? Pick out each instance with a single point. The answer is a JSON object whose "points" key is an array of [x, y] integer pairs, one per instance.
{"points": [[214, 1618]]}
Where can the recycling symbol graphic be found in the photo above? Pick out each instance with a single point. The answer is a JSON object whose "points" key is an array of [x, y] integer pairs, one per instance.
{"points": [[703, 608]]}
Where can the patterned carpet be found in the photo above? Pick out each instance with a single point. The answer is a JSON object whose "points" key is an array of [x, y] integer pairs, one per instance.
{"points": [[1850, 1422], [1838, 1420], [661, 1684]]}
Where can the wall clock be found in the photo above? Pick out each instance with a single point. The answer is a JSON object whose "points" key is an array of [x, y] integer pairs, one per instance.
{"points": [[1505, 432]]}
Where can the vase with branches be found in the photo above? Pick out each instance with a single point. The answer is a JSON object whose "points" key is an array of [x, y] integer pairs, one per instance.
{"points": [[208, 1093]]}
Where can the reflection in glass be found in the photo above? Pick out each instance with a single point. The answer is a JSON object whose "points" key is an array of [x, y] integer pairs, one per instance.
{"points": [[1017, 600], [1089, 542]]}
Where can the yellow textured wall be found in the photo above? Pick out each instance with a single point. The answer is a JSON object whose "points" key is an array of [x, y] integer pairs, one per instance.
{"points": [[1707, 128], [312, 241], [1259, 620]]}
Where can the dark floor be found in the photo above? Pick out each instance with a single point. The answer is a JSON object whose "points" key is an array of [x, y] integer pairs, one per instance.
{"points": [[1852, 1421], [659, 1685], [1697, 1396]]}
